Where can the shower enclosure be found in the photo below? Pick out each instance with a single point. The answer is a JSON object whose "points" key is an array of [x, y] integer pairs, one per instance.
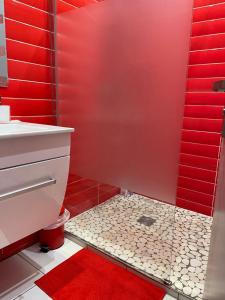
{"points": [[121, 74]]}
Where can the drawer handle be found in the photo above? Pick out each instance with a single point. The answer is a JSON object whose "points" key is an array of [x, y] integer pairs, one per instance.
{"points": [[27, 189]]}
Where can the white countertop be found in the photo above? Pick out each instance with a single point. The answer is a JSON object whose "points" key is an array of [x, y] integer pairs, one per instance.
{"points": [[20, 129]]}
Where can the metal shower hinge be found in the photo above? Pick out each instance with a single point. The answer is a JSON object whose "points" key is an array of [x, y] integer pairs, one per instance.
{"points": [[223, 129]]}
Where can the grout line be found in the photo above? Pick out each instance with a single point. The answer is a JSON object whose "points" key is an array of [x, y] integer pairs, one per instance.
{"points": [[210, 20], [206, 78], [211, 63], [36, 116], [18, 296], [205, 35], [180, 176], [27, 99], [31, 63], [32, 45], [193, 190], [211, 49], [193, 167], [205, 91], [203, 119], [32, 81], [36, 27], [195, 203], [208, 5], [205, 105], [33, 7], [196, 143], [33, 264], [67, 3], [200, 156]]}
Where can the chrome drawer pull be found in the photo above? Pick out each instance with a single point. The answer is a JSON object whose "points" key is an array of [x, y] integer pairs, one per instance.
{"points": [[27, 189]]}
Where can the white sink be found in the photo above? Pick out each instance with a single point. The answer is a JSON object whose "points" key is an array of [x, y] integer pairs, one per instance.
{"points": [[23, 143], [19, 129], [34, 167]]}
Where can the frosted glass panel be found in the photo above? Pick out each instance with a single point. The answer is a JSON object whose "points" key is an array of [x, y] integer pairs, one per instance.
{"points": [[121, 75]]}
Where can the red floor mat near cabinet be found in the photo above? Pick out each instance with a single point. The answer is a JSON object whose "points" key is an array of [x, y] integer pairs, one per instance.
{"points": [[88, 276]]}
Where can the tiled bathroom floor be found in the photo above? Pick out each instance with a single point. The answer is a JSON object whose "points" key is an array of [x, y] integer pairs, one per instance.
{"points": [[18, 273], [175, 247]]}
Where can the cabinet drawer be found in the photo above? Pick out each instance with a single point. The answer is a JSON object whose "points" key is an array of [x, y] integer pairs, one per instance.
{"points": [[19, 151], [31, 197]]}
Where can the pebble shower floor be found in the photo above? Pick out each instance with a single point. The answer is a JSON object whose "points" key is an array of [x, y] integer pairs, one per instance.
{"points": [[174, 247]]}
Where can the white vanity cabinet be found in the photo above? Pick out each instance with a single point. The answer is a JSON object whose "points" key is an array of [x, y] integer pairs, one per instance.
{"points": [[34, 167]]}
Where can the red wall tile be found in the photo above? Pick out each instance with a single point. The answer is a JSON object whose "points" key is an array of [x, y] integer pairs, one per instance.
{"points": [[200, 149], [49, 120], [203, 111], [45, 5], [28, 89], [208, 42], [208, 27], [194, 196], [80, 3], [201, 84], [197, 173], [30, 72], [28, 34], [186, 204], [26, 52], [196, 185], [200, 137], [207, 56], [201, 162], [80, 185], [207, 98], [206, 70], [27, 107], [63, 6], [203, 124]]}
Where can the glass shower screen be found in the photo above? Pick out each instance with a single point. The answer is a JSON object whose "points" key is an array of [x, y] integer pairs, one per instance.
{"points": [[121, 83]]}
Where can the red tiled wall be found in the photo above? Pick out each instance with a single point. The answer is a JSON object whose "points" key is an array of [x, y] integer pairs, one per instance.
{"points": [[202, 125], [31, 90]]}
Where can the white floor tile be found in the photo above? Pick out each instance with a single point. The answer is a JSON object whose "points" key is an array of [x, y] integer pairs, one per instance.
{"points": [[34, 294], [16, 277], [168, 297], [45, 262]]}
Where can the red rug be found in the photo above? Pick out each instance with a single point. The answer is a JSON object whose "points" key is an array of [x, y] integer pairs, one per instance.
{"points": [[88, 276]]}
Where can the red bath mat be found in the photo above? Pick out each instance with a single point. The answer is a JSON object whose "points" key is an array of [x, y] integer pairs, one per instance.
{"points": [[88, 276]]}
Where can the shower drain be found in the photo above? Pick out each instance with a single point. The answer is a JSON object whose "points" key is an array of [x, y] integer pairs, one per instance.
{"points": [[147, 221]]}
